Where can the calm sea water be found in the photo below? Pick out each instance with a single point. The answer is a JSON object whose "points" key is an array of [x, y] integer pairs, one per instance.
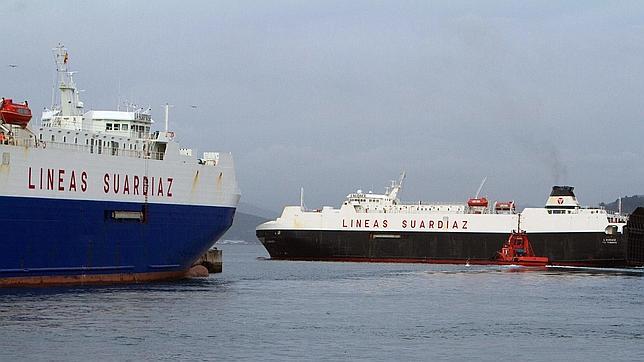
{"points": [[259, 309]]}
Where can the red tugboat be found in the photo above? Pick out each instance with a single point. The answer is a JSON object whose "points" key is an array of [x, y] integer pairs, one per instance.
{"points": [[15, 113], [518, 251]]}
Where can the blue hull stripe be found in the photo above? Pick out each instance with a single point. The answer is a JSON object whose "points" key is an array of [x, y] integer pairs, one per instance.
{"points": [[58, 237]]}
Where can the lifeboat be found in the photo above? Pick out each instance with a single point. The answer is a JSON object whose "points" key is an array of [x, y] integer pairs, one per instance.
{"points": [[477, 202], [517, 250], [15, 113], [504, 206]]}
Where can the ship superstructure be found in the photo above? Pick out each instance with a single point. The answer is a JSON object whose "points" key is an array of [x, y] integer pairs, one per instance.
{"points": [[378, 227], [97, 196]]}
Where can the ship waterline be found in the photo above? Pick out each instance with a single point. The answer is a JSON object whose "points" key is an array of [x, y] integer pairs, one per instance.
{"points": [[441, 247]]}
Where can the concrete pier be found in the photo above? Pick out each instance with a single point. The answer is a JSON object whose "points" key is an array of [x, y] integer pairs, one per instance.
{"points": [[212, 260]]}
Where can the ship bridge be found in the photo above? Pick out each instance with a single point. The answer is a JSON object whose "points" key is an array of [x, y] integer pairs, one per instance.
{"points": [[370, 199], [365, 201], [121, 123], [120, 133]]}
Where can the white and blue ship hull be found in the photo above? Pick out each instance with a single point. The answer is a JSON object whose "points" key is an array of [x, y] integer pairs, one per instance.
{"points": [[70, 216]]}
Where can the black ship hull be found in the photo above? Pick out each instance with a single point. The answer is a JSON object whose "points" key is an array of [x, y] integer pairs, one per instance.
{"points": [[573, 249]]}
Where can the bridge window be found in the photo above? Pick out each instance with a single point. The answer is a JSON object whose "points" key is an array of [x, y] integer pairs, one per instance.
{"points": [[108, 126], [124, 127], [117, 127]]}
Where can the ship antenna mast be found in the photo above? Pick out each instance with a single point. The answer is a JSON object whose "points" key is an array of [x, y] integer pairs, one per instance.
{"points": [[480, 187], [302, 205], [401, 179], [395, 188], [167, 115], [70, 104], [53, 92]]}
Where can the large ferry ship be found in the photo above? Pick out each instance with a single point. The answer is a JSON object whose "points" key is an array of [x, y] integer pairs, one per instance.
{"points": [[379, 228], [97, 196]]}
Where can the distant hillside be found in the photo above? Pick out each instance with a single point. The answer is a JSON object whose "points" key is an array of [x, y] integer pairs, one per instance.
{"points": [[255, 210], [629, 204], [247, 217], [244, 227]]}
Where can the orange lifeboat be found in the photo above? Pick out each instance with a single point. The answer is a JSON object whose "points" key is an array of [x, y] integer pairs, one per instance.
{"points": [[15, 113], [517, 250], [504, 206], [477, 202]]}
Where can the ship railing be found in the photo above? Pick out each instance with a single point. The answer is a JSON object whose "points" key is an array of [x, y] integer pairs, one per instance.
{"points": [[150, 155], [434, 203], [61, 146], [106, 150], [414, 210], [23, 142], [422, 207]]}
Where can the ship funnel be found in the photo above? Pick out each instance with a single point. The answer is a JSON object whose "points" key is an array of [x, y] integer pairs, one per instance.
{"points": [[562, 197]]}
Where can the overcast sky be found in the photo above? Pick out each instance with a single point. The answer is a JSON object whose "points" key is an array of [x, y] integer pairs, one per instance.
{"points": [[339, 95]]}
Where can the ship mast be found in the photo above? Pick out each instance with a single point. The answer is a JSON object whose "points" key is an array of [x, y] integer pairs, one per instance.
{"points": [[70, 104], [167, 116], [480, 187], [395, 188]]}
